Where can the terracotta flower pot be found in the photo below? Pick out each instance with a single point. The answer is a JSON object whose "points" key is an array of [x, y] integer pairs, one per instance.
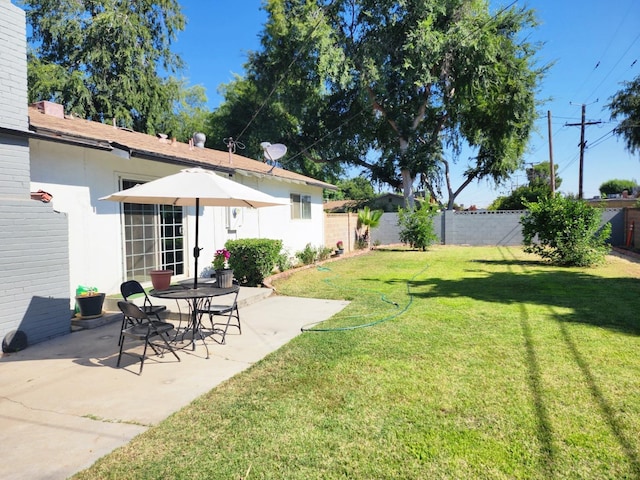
{"points": [[161, 279]]}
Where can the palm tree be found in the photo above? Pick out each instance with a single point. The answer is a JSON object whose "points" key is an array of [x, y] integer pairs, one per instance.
{"points": [[367, 219]]}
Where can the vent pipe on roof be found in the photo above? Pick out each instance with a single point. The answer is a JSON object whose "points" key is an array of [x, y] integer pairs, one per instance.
{"points": [[199, 139]]}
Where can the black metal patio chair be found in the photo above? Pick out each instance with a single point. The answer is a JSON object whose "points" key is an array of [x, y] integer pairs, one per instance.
{"points": [[133, 287], [142, 328], [226, 310]]}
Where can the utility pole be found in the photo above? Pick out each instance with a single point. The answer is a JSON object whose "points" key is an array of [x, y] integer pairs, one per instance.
{"points": [[552, 170], [582, 124]]}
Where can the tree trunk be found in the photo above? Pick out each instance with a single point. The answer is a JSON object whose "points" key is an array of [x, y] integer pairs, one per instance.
{"points": [[407, 189]]}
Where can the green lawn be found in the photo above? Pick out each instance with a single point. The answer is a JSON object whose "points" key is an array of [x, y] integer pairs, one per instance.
{"points": [[476, 363]]}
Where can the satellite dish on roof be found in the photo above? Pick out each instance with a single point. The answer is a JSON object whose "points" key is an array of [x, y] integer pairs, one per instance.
{"points": [[273, 152]]}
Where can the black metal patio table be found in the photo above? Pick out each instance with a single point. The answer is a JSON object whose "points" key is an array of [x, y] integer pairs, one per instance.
{"points": [[196, 298]]}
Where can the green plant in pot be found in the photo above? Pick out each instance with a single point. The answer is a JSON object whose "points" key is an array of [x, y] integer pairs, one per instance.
{"points": [[90, 303]]}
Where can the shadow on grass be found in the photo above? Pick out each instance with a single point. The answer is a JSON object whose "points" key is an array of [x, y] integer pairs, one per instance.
{"points": [[603, 302], [594, 300]]}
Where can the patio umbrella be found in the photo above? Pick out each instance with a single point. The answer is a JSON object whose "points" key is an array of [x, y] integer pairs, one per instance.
{"points": [[195, 187]]}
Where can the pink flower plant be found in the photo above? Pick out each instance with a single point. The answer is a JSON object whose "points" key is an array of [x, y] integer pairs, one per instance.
{"points": [[221, 258]]}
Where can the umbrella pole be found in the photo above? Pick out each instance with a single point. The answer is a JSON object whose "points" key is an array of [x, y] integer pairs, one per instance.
{"points": [[196, 249]]}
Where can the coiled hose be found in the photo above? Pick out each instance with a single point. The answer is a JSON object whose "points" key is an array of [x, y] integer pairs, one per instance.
{"points": [[399, 311]]}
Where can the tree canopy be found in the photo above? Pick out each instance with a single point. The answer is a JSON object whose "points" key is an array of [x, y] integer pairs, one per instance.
{"points": [[399, 89], [102, 58], [617, 186], [538, 188], [625, 105], [357, 188]]}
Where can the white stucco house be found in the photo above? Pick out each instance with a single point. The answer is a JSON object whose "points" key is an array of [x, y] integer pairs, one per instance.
{"points": [[78, 161], [49, 249]]}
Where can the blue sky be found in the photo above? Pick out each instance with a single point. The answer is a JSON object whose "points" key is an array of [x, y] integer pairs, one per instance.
{"points": [[577, 36], [593, 44]]}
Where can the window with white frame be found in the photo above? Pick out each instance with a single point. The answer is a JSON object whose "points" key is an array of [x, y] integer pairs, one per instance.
{"points": [[153, 237], [300, 206]]}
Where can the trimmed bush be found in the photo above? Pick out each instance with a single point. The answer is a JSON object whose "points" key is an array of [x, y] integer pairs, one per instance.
{"points": [[253, 259]]}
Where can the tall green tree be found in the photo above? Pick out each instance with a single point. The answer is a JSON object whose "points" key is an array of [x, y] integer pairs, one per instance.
{"points": [[188, 115], [538, 188], [540, 175], [617, 186], [625, 105], [401, 89], [273, 104], [102, 58], [357, 188]]}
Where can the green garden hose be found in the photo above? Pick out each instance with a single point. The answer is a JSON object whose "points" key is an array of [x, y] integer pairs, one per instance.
{"points": [[399, 311]]}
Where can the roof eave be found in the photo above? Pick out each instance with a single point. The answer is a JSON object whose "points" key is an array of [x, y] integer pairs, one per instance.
{"points": [[79, 140]]}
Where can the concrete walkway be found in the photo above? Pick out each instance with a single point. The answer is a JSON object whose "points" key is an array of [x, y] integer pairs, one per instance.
{"points": [[64, 404]]}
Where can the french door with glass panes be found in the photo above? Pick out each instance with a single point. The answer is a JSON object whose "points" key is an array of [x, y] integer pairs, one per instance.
{"points": [[153, 238]]}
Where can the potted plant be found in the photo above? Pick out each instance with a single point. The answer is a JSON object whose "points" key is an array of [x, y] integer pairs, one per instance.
{"points": [[90, 303], [224, 275], [340, 247], [161, 279]]}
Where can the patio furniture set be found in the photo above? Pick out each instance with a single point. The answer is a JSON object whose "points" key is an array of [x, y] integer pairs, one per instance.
{"points": [[143, 322]]}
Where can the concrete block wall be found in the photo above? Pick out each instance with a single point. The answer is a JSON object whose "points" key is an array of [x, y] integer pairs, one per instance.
{"points": [[490, 228], [482, 228], [615, 216], [340, 226], [387, 232], [34, 247]]}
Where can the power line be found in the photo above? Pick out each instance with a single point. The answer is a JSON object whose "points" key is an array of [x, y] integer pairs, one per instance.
{"points": [[571, 162], [602, 139], [614, 66], [606, 49], [582, 124]]}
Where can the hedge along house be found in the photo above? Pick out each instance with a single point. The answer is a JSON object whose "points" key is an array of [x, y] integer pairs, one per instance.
{"points": [[104, 243]]}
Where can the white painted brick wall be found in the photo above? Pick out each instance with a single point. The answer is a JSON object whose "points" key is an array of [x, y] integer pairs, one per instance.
{"points": [[13, 67], [34, 240], [34, 260], [14, 167]]}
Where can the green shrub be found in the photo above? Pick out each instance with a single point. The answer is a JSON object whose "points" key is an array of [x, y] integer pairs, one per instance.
{"points": [[312, 254], [416, 227], [361, 242], [565, 232], [283, 262], [253, 259], [323, 253], [367, 220], [308, 255]]}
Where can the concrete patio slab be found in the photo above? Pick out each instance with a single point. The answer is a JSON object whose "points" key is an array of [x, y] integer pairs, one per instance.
{"points": [[64, 404]]}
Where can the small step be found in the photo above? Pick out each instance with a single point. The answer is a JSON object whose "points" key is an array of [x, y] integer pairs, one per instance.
{"points": [[106, 318]]}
